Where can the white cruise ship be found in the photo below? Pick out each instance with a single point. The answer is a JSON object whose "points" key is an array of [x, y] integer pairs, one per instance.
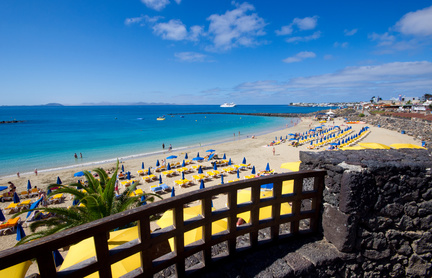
{"points": [[226, 104]]}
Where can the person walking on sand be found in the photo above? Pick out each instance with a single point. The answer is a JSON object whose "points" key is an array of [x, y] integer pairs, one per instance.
{"points": [[274, 150], [18, 174], [35, 171], [170, 148]]}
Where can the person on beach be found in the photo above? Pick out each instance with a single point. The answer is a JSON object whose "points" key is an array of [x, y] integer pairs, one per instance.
{"points": [[35, 171], [116, 188], [80, 155], [18, 174], [170, 148], [163, 146], [274, 150], [76, 156]]}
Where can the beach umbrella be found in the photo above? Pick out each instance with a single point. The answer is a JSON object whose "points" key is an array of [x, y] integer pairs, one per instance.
{"points": [[149, 171], [142, 165], [74, 203], [183, 163], [157, 163], [58, 259], [198, 158], [229, 162], [20, 232], [183, 177], [128, 175], [122, 168], [238, 173], [16, 199], [200, 171], [286, 137], [28, 185], [173, 192], [2, 218], [79, 174], [59, 180], [202, 184], [276, 138], [215, 166], [186, 156], [168, 167], [86, 249], [79, 187], [3, 188], [244, 160], [253, 170], [34, 205], [197, 154], [210, 151], [267, 167], [160, 179], [224, 157], [143, 201], [171, 157], [222, 182]]}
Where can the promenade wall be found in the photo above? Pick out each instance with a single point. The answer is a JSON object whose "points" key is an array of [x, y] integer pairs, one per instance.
{"points": [[377, 211]]}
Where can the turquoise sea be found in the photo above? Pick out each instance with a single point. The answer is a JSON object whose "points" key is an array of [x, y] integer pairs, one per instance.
{"points": [[51, 135]]}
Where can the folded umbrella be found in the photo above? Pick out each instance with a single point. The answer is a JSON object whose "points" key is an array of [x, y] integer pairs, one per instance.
{"points": [[200, 171], [186, 156], [183, 164], [168, 167], [157, 163], [28, 185], [2, 218], [215, 166], [172, 192], [142, 165], [16, 199], [253, 170], [34, 205], [238, 173], [268, 167], [244, 160], [58, 259], [224, 156], [222, 182], [122, 168], [160, 179], [59, 180], [202, 185], [20, 232]]}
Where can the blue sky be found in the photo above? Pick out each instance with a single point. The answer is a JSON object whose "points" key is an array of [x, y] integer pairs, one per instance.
{"points": [[210, 52]]}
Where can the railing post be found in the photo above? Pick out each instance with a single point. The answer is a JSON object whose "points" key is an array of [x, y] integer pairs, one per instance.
{"points": [[207, 232], [255, 197], [296, 206], [102, 254], [144, 236], [317, 202], [232, 220], [276, 209], [46, 264]]}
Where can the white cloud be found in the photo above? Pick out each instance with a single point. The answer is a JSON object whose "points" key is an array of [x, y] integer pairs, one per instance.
{"points": [[175, 30], [418, 23], [190, 57], [384, 39], [157, 5], [342, 45], [141, 19], [307, 23], [347, 84], [300, 57], [328, 57], [235, 28], [350, 32], [314, 36]]}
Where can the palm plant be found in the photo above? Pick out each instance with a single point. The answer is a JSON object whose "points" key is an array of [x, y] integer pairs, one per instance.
{"points": [[98, 200]]}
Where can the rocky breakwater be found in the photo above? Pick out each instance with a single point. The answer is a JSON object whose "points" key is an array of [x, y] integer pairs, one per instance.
{"points": [[377, 210]]}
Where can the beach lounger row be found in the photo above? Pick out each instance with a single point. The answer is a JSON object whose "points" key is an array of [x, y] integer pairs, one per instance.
{"points": [[160, 188], [15, 207], [9, 226]]}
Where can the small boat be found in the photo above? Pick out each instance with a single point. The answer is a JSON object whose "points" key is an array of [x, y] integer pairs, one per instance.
{"points": [[226, 104], [161, 118]]}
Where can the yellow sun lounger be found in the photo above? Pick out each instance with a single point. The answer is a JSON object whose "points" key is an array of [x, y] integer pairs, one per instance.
{"points": [[13, 208]]}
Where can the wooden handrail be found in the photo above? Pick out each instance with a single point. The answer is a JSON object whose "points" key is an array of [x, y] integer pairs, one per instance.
{"points": [[41, 249]]}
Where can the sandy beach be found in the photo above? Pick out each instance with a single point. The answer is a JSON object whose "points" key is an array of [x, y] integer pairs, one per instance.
{"points": [[256, 151]]}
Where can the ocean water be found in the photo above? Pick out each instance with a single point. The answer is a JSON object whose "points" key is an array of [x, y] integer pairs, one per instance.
{"points": [[51, 135]]}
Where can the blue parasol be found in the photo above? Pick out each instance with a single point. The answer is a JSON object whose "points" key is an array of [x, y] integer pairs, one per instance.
{"points": [[142, 165], [229, 162], [122, 168], [16, 199], [28, 185], [128, 175], [202, 184], [157, 163], [197, 154], [244, 160], [2, 218], [59, 180], [173, 192], [3, 188], [58, 259], [200, 171], [238, 173], [210, 151], [215, 166], [222, 182], [143, 200], [20, 232], [268, 167], [253, 170], [183, 176], [186, 156], [34, 205], [171, 157], [224, 157], [149, 171], [75, 202], [168, 167], [79, 174], [198, 158], [183, 164], [160, 179], [49, 191]]}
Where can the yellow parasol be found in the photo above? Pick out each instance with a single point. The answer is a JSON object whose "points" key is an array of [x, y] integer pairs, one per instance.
{"points": [[244, 196], [195, 234], [353, 148], [86, 249], [18, 270], [293, 166], [374, 146], [406, 146]]}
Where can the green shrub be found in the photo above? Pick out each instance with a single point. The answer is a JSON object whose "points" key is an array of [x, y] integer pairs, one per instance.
{"points": [[361, 115]]}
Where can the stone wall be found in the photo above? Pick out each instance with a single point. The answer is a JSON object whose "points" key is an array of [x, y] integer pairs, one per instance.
{"points": [[377, 211]]}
